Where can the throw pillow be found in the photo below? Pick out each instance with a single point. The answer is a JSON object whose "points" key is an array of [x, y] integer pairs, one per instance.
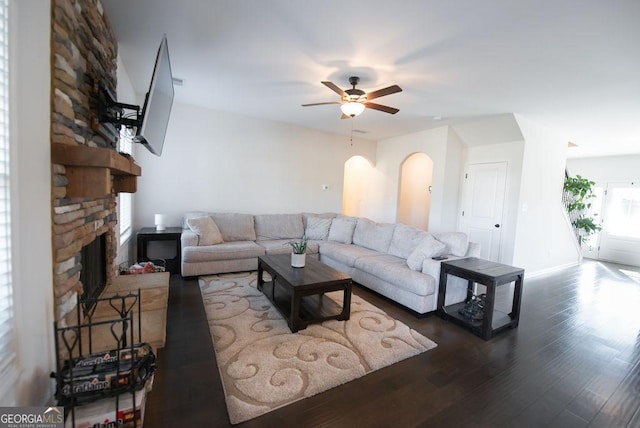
{"points": [[317, 228], [341, 229], [206, 229], [457, 242], [429, 247]]}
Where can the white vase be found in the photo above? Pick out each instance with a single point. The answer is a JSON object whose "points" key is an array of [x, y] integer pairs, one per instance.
{"points": [[298, 260]]}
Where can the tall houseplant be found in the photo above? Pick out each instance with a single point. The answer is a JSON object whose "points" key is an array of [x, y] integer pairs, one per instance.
{"points": [[578, 195]]}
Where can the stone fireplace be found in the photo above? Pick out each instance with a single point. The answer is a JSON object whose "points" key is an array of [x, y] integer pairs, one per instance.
{"points": [[93, 275], [87, 170]]}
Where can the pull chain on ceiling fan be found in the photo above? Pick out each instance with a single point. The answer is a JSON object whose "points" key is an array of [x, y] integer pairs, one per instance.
{"points": [[354, 100]]}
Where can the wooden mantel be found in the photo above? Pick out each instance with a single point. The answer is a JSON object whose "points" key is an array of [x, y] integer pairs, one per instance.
{"points": [[89, 170]]}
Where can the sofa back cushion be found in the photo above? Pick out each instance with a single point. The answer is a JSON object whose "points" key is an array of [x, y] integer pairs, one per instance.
{"points": [[235, 227], [341, 229], [278, 226], [405, 240], [372, 235], [317, 228]]}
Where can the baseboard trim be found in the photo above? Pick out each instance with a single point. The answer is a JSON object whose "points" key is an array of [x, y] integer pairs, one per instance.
{"points": [[551, 269]]}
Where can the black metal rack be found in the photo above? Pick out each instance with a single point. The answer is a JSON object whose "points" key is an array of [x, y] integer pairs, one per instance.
{"points": [[72, 348]]}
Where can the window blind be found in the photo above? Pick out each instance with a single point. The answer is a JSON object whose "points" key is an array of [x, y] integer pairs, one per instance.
{"points": [[125, 208], [8, 359]]}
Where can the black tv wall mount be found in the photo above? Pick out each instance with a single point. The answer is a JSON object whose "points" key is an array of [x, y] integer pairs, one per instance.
{"points": [[113, 112]]}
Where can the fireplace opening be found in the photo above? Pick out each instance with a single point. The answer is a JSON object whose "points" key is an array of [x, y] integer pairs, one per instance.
{"points": [[93, 274]]}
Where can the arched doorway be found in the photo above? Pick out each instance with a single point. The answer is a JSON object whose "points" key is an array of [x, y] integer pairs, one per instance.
{"points": [[416, 177], [356, 186]]}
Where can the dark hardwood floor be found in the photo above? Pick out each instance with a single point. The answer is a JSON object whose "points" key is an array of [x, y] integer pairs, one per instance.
{"points": [[574, 361]]}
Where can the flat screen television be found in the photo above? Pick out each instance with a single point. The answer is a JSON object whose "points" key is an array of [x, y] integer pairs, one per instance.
{"points": [[157, 104]]}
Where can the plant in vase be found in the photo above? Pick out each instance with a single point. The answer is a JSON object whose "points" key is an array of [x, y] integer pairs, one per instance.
{"points": [[298, 252]]}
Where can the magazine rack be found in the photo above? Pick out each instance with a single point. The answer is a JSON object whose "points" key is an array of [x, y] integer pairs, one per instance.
{"points": [[111, 374]]}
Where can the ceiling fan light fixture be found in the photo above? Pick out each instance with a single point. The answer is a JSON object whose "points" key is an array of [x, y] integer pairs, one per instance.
{"points": [[352, 108]]}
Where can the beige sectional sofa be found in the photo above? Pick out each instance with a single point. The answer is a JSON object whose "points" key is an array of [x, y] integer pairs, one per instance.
{"points": [[394, 260]]}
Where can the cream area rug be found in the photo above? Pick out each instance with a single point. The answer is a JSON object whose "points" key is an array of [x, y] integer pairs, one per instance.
{"points": [[264, 366]]}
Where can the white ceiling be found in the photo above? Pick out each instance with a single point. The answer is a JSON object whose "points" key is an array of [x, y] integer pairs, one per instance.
{"points": [[570, 65]]}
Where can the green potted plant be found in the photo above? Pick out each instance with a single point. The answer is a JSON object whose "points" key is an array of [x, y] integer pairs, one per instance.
{"points": [[578, 193], [298, 252]]}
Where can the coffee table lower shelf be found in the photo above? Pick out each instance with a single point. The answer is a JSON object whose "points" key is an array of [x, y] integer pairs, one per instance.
{"points": [[313, 308]]}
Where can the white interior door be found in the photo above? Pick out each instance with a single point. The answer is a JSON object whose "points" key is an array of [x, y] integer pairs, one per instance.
{"points": [[483, 205], [620, 236]]}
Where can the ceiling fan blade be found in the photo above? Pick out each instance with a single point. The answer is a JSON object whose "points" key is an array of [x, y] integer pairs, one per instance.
{"points": [[380, 107], [335, 88], [321, 104], [384, 91]]}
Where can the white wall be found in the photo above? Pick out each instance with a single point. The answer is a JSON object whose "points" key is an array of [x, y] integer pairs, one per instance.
{"points": [[31, 200], [445, 153], [607, 168], [452, 185], [217, 161], [544, 239]]}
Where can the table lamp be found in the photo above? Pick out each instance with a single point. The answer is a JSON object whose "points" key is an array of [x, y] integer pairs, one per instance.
{"points": [[160, 220]]}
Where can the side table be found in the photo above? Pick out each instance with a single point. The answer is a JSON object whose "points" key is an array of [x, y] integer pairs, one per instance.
{"points": [[491, 275], [149, 234]]}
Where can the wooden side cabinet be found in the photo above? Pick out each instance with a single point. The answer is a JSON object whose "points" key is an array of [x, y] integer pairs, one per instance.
{"points": [[150, 234]]}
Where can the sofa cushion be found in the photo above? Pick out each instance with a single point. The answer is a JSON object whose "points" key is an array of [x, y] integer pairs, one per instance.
{"points": [[206, 229], [225, 251], [341, 229], [429, 247], [317, 228], [405, 239], [394, 270], [345, 253], [193, 214], [456, 242], [372, 235], [278, 226], [235, 227], [281, 246]]}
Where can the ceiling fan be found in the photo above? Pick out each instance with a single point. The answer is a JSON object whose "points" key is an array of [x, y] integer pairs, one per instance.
{"points": [[354, 101]]}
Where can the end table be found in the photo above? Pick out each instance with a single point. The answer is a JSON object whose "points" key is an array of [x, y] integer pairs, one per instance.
{"points": [[149, 234], [491, 275]]}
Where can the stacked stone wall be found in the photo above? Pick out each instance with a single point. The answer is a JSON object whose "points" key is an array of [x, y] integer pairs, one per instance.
{"points": [[84, 49]]}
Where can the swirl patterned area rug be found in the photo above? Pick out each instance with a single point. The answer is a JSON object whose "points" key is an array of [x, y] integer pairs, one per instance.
{"points": [[264, 366]]}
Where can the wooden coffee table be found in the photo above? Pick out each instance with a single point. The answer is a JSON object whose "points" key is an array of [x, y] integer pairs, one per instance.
{"points": [[299, 293]]}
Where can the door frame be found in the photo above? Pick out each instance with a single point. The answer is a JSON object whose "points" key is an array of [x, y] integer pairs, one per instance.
{"points": [[465, 190]]}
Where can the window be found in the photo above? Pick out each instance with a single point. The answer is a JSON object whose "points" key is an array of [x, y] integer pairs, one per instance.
{"points": [[125, 208], [623, 211], [7, 331]]}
